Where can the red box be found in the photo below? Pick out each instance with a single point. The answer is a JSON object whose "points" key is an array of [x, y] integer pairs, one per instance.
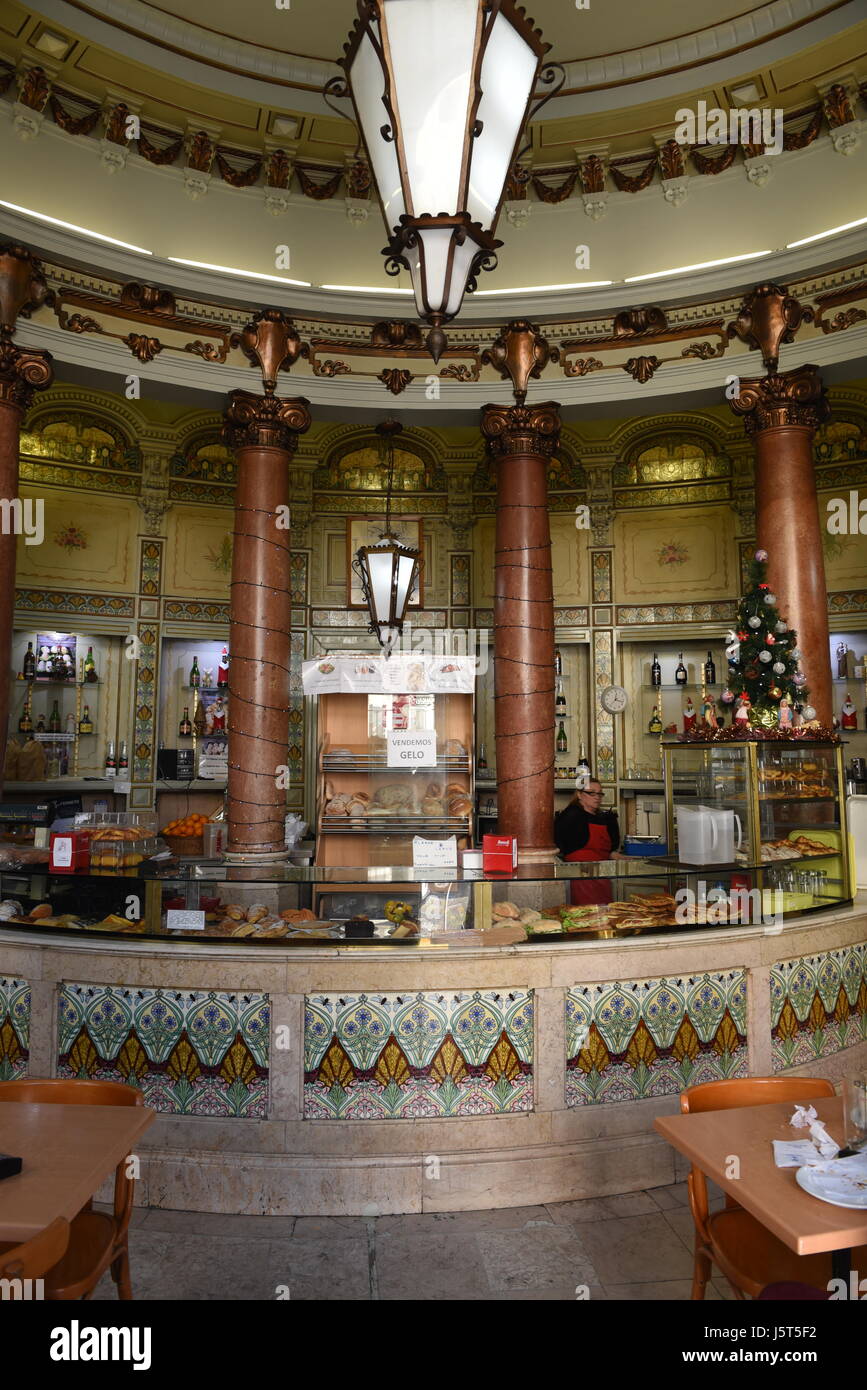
{"points": [[70, 851], [499, 853]]}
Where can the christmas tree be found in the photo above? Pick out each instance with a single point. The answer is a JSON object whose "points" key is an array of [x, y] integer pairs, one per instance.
{"points": [[763, 656]]}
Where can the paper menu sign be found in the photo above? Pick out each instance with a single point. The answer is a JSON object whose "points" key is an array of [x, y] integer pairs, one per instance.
{"points": [[178, 919], [412, 748], [434, 854]]}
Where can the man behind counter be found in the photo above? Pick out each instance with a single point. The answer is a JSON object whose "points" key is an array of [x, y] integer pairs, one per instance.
{"points": [[584, 833]]}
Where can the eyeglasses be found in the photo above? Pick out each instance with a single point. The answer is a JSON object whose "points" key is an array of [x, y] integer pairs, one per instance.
{"points": [[592, 793]]}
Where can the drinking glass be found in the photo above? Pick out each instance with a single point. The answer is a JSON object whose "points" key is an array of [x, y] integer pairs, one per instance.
{"points": [[855, 1109]]}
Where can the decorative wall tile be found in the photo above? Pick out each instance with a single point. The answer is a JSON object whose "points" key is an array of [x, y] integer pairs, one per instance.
{"points": [[151, 565], [83, 605], [192, 1052], [818, 1005], [189, 611], [601, 576], [603, 668], [460, 579], [145, 702], [854, 601], [571, 617], [644, 1038], [418, 1056], [298, 576], [676, 613], [14, 1027]]}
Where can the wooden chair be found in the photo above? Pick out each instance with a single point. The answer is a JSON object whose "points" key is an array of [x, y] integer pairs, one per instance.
{"points": [[97, 1241], [748, 1254], [33, 1258]]}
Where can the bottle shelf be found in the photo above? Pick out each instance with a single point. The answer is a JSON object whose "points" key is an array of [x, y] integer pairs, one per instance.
{"points": [[667, 685]]}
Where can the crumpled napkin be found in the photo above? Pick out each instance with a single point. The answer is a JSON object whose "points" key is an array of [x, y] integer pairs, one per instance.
{"points": [[809, 1153]]}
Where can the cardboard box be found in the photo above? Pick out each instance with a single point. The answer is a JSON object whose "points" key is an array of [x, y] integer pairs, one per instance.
{"points": [[499, 853]]}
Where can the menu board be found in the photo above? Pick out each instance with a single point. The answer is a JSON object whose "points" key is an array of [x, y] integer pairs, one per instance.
{"points": [[402, 673]]}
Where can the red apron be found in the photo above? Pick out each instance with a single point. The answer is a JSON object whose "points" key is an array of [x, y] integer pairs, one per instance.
{"points": [[591, 890]]}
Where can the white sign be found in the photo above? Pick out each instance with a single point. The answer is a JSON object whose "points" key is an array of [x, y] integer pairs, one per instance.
{"points": [[412, 748], [434, 854], [178, 919]]}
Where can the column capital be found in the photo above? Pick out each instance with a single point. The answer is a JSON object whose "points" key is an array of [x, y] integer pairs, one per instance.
{"points": [[783, 398], [270, 341], [23, 371], [22, 284], [521, 429], [518, 353], [266, 421]]}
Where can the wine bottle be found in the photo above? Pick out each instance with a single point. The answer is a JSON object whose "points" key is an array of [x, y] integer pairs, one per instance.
{"points": [[709, 670], [54, 719], [655, 672], [583, 768], [29, 668], [85, 723], [200, 723], [89, 668], [680, 674], [110, 760], [185, 728], [562, 741], [483, 759], [558, 662], [223, 669], [25, 723], [195, 675], [560, 702], [123, 759]]}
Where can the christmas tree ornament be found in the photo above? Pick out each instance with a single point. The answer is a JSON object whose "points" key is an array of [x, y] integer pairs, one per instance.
{"points": [[771, 639], [761, 556], [779, 668], [754, 621], [799, 679], [727, 697], [781, 627], [764, 656], [770, 599], [808, 713], [775, 692], [742, 636], [795, 654], [751, 672]]}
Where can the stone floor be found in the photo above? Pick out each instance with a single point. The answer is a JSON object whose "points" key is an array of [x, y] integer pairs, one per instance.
{"points": [[636, 1246]]}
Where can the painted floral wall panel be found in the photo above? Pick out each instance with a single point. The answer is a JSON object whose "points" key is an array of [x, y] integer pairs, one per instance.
{"points": [[192, 1052], [818, 1005], [845, 550], [643, 1038], [659, 557], [88, 542], [198, 551], [14, 1027], [418, 1056]]}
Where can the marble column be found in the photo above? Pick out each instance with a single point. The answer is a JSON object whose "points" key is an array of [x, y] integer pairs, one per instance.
{"points": [[263, 431], [22, 371], [781, 412], [522, 439]]}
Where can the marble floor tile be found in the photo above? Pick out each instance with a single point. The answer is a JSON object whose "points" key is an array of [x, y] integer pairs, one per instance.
{"points": [[445, 1222], [423, 1264], [209, 1223], [636, 1249], [668, 1289], [536, 1258], [602, 1208]]}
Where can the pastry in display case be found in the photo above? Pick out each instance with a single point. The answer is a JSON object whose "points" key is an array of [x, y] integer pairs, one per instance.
{"points": [[778, 804]]}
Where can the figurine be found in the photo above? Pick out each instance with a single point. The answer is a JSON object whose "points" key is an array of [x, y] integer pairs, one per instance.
{"points": [[209, 678], [655, 725], [849, 718], [842, 661], [742, 712], [785, 716], [708, 713], [688, 716], [216, 717], [43, 662]]}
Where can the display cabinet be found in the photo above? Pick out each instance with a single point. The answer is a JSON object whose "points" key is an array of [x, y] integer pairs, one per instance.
{"points": [[787, 813]]}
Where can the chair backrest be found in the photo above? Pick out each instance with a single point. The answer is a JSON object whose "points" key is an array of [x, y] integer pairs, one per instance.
{"points": [[34, 1258], [750, 1090], [69, 1091]]}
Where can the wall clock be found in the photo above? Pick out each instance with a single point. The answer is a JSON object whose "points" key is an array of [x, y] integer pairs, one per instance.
{"points": [[614, 699]]}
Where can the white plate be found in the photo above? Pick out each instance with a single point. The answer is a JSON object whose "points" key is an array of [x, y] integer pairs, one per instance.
{"points": [[839, 1190]]}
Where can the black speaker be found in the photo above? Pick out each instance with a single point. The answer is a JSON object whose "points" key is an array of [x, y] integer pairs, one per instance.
{"points": [[167, 764]]}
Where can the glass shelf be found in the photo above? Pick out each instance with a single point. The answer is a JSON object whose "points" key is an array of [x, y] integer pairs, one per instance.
{"points": [[671, 685]]}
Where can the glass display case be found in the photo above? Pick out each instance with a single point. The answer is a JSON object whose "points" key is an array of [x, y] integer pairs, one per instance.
{"points": [[396, 906], [777, 805]]}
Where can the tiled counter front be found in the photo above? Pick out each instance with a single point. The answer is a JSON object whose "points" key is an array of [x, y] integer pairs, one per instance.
{"points": [[361, 1081]]}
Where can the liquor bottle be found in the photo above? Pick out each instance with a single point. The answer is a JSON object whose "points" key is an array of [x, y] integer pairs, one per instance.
{"points": [[562, 742], [185, 728], [655, 725], [680, 674], [200, 723], [195, 676], [558, 662], [85, 723], [583, 768], [483, 759], [655, 672], [90, 676], [54, 719], [123, 760], [29, 668], [110, 760], [25, 723], [709, 670], [223, 670], [560, 702]]}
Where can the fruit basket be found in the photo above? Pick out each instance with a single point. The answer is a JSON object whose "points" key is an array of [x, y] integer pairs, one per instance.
{"points": [[185, 836]]}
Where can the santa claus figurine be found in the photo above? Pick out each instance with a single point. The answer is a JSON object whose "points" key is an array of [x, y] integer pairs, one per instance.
{"points": [[742, 712], [688, 716], [849, 717]]}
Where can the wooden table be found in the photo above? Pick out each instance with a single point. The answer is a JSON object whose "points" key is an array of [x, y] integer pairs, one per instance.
{"points": [[67, 1152], [770, 1194]]}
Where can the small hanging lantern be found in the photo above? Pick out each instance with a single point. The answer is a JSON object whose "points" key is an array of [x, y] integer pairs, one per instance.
{"points": [[388, 569]]}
